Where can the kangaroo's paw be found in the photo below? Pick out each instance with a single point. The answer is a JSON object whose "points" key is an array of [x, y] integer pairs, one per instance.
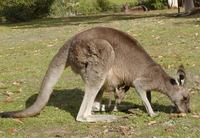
{"points": [[97, 118]]}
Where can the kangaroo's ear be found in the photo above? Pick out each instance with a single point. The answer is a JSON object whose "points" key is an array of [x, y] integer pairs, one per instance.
{"points": [[181, 75]]}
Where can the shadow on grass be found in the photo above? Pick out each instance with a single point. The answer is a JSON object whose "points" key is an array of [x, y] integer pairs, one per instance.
{"points": [[66, 99], [70, 100], [92, 19]]}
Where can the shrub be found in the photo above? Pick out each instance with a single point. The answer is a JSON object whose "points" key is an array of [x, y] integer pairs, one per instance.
{"points": [[197, 3], [104, 5], [88, 7], [24, 10], [64, 8], [69, 7], [116, 8], [153, 4]]}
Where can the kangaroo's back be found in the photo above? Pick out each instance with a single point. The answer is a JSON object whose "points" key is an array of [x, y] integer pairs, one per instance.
{"points": [[130, 56]]}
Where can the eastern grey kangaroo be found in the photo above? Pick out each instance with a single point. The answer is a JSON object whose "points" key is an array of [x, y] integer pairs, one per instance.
{"points": [[127, 9], [106, 57]]}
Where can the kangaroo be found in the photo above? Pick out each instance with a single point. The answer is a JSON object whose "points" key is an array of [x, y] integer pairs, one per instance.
{"points": [[107, 57], [119, 95], [127, 9]]}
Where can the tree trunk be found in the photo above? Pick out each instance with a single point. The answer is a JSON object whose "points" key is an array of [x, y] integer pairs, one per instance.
{"points": [[188, 5], [173, 3]]}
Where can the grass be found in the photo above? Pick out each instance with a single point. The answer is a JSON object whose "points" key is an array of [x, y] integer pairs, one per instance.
{"points": [[27, 48]]}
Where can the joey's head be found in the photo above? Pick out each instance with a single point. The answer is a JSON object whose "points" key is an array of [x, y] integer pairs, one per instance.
{"points": [[179, 94], [120, 93]]}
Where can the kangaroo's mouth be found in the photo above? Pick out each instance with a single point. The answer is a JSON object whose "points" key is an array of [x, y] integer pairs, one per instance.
{"points": [[177, 109], [174, 109]]}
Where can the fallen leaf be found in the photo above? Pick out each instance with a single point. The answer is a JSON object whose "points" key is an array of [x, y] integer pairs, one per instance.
{"points": [[18, 120], [192, 91], [50, 45], [175, 115], [195, 115], [182, 114], [19, 90], [19, 82], [160, 22], [8, 93], [16, 83], [8, 99], [105, 131], [170, 128], [157, 37], [169, 44], [151, 123], [125, 130], [11, 131], [37, 51]]}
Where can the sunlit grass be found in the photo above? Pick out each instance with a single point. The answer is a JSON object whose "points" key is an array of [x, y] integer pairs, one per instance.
{"points": [[27, 48]]}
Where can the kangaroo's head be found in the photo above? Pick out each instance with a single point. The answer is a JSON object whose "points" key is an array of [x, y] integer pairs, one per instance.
{"points": [[124, 7], [179, 93]]}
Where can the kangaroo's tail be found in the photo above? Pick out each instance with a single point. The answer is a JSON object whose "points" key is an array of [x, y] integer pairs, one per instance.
{"points": [[55, 69]]}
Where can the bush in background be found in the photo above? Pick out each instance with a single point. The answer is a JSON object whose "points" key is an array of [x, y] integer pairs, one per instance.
{"points": [[73, 7], [64, 8], [88, 7], [153, 4], [197, 3], [104, 5], [24, 10]]}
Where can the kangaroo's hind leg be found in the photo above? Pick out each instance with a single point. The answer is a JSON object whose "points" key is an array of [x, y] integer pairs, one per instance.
{"points": [[94, 59]]}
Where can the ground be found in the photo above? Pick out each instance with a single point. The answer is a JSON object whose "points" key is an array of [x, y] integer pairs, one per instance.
{"points": [[27, 48]]}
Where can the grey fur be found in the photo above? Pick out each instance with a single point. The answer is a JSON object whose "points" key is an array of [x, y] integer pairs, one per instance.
{"points": [[105, 57], [140, 8]]}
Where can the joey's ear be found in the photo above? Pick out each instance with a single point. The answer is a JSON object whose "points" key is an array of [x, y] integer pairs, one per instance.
{"points": [[181, 75]]}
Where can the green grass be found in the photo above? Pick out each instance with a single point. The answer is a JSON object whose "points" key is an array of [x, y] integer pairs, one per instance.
{"points": [[27, 48]]}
